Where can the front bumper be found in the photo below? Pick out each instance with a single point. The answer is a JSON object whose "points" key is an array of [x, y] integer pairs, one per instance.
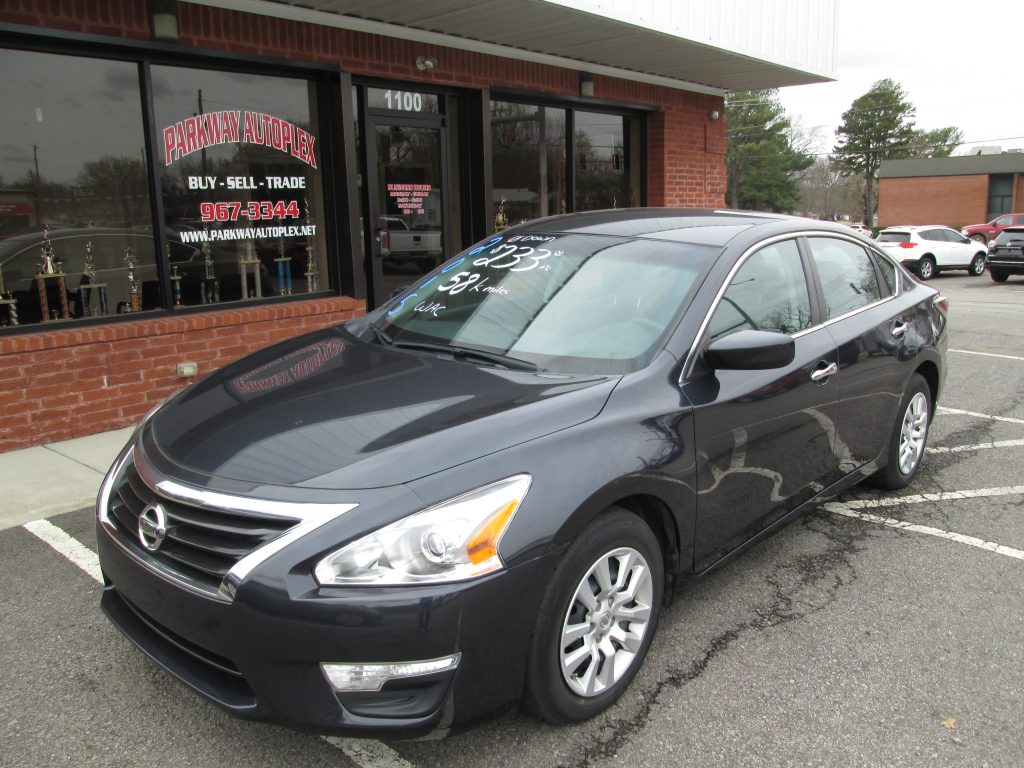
{"points": [[258, 656]]}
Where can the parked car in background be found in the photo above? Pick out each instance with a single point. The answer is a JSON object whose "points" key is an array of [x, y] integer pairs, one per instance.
{"points": [[864, 230], [1006, 254], [930, 249], [484, 491], [982, 233]]}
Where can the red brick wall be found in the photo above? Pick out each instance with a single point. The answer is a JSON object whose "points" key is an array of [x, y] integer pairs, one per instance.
{"points": [[60, 384], [951, 200]]}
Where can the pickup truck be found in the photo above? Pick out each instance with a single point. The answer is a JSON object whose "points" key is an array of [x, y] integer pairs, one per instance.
{"points": [[411, 243]]}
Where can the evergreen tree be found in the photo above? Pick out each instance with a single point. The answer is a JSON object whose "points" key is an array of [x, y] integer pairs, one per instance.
{"points": [[762, 160], [878, 126]]}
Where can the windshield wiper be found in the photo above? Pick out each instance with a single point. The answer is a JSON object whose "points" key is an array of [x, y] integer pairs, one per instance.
{"points": [[382, 337], [461, 353]]}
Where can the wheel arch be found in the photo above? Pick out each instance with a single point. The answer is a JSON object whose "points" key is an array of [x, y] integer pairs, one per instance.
{"points": [[929, 371]]}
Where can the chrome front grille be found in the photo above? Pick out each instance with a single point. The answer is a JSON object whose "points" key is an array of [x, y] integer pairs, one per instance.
{"points": [[200, 544]]}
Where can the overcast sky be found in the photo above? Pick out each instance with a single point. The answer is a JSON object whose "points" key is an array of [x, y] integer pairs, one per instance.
{"points": [[959, 64]]}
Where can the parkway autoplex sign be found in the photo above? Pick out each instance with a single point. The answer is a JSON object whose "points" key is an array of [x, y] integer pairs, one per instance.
{"points": [[233, 127]]}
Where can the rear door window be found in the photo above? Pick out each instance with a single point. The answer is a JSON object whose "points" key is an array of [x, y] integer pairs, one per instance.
{"points": [[848, 278]]}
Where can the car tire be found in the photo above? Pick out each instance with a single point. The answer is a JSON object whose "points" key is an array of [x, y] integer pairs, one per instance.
{"points": [[564, 682], [977, 268], [979, 239], [909, 437], [997, 276], [926, 268]]}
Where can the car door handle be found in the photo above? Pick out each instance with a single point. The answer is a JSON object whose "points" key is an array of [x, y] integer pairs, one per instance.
{"points": [[820, 374], [898, 328]]}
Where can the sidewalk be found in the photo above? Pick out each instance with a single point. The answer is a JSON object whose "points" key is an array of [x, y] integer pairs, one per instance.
{"points": [[60, 477]]}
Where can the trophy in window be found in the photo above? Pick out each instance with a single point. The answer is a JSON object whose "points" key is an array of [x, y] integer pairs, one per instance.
{"points": [[50, 268], [8, 302], [134, 294], [500, 219], [88, 284], [210, 286], [312, 272], [246, 259], [176, 285], [284, 270]]}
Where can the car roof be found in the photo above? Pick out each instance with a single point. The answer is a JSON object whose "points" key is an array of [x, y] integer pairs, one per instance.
{"points": [[914, 227], [703, 226]]}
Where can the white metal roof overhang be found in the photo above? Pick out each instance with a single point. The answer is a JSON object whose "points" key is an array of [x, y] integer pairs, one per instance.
{"points": [[707, 46]]}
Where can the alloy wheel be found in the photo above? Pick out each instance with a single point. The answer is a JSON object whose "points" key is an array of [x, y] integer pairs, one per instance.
{"points": [[608, 616], [913, 433]]}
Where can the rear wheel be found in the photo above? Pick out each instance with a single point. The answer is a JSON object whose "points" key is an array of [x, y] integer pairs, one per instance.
{"points": [[977, 265], [596, 621], [909, 437], [997, 276], [926, 268]]}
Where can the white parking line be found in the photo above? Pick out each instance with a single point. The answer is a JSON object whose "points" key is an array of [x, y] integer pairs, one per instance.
{"points": [[363, 752], [986, 354], [958, 412], [368, 754], [978, 446], [850, 509], [990, 546], [67, 545]]}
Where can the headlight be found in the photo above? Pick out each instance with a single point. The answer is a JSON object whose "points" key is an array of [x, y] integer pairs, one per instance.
{"points": [[453, 541]]}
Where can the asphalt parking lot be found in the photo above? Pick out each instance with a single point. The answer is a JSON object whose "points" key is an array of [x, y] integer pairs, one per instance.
{"points": [[879, 630]]}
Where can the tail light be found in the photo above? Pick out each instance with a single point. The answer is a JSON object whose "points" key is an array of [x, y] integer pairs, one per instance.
{"points": [[908, 245], [941, 303]]}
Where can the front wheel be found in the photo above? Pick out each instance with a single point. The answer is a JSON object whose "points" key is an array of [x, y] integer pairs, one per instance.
{"points": [[979, 239], [997, 276], [977, 267], [596, 620], [909, 437], [926, 268]]}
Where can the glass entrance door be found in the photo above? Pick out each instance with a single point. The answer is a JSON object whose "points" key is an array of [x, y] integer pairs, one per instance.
{"points": [[408, 203]]}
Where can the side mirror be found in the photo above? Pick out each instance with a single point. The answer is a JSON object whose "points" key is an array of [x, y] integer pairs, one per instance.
{"points": [[751, 351]]}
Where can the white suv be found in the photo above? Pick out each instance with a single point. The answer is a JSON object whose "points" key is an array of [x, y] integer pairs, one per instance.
{"points": [[930, 249]]}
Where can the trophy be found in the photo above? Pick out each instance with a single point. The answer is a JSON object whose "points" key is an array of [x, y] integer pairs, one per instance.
{"points": [[48, 262], [7, 300], [210, 286], [88, 283], [284, 271], [50, 267], [500, 219], [176, 282], [249, 259], [312, 273], [134, 294]]}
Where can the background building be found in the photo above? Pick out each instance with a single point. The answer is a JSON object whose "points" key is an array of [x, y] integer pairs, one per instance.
{"points": [[184, 182], [955, 191]]}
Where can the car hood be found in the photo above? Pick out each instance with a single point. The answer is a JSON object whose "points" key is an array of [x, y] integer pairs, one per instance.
{"points": [[327, 410]]}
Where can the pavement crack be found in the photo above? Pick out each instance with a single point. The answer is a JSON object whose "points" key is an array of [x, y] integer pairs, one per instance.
{"points": [[799, 587]]}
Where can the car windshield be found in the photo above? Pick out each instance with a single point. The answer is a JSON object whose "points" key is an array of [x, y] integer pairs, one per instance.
{"points": [[893, 237], [570, 303]]}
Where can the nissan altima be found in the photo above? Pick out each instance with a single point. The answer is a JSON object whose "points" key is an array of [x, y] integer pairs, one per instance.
{"points": [[484, 493]]}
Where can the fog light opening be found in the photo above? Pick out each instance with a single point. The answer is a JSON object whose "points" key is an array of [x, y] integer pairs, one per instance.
{"points": [[371, 677]]}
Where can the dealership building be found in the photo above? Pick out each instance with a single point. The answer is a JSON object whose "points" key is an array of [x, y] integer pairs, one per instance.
{"points": [[182, 183]]}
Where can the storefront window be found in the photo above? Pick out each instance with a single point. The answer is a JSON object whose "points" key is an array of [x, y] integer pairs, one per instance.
{"points": [[528, 161], [240, 161], [76, 235]]}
